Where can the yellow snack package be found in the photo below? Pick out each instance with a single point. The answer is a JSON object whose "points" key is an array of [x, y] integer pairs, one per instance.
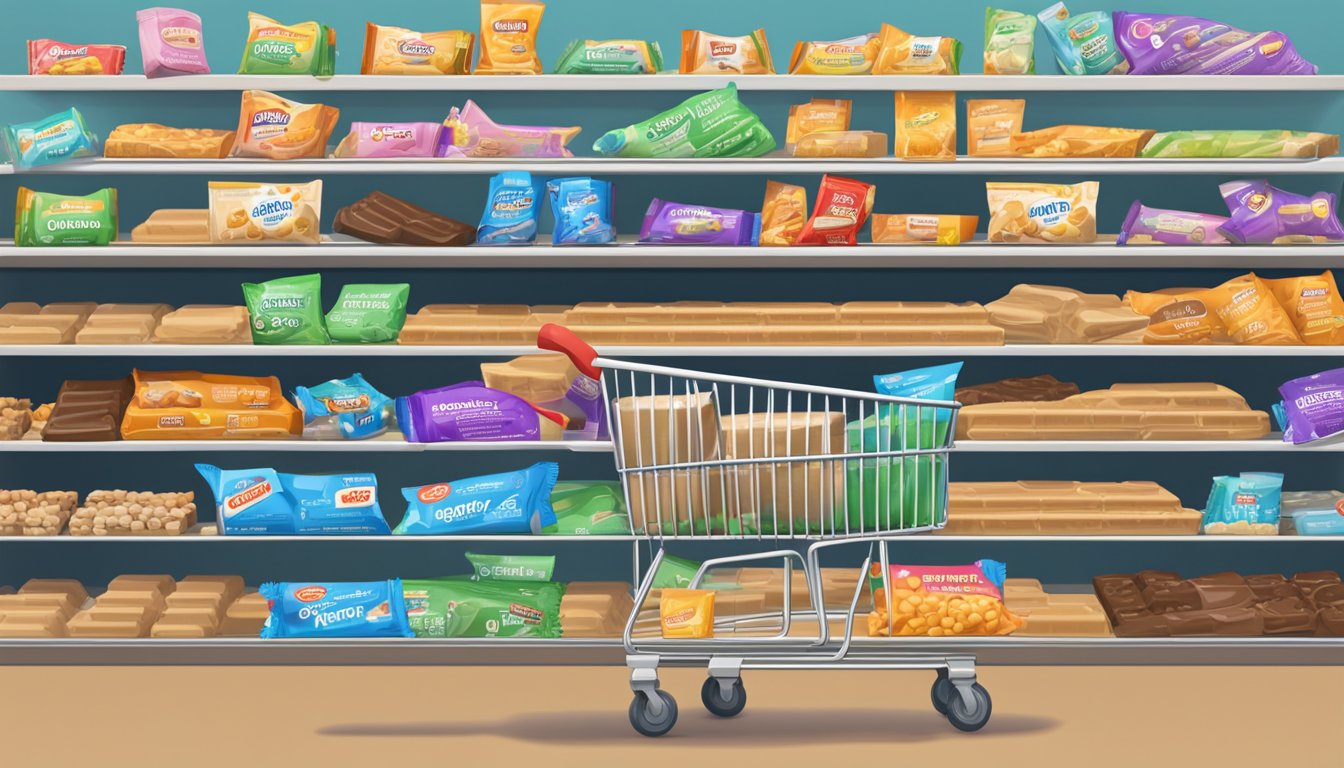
{"points": [[901, 53], [1314, 305], [246, 213], [273, 48], [189, 405], [926, 125], [1251, 313], [509, 37], [274, 127], [991, 125], [705, 53], [940, 229], [1030, 212], [1080, 141], [398, 51], [1178, 316], [851, 56], [687, 614], [816, 116], [783, 213]]}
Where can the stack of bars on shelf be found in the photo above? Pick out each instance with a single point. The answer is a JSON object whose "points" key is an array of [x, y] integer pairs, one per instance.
{"points": [[1061, 508], [88, 322], [1054, 614], [103, 513]]}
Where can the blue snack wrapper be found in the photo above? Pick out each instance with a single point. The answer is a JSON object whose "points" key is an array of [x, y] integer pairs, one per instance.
{"points": [[55, 139], [1253, 498], [583, 210], [253, 502], [510, 216], [509, 502], [336, 609], [344, 409]]}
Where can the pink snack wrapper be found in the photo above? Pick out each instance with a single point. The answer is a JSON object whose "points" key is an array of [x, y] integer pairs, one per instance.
{"points": [[390, 140], [171, 42], [474, 134]]}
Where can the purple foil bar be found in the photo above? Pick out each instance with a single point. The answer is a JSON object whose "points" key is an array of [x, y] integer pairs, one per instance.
{"points": [[1313, 406], [1261, 214], [467, 411], [1172, 227], [678, 223], [1162, 44]]}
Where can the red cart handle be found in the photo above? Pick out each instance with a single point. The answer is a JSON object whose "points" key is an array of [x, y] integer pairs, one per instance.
{"points": [[557, 338]]}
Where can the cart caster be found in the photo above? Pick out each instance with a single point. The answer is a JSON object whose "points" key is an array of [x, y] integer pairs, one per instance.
{"points": [[711, 693], [963, 718], [649, 724], [942, 691]]}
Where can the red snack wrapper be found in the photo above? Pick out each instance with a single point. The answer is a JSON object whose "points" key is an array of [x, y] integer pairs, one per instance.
{"points": [[52, 57], [842, 209]]}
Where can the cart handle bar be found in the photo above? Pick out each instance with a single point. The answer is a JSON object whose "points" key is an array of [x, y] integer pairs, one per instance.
{"points": [[558, 338]]}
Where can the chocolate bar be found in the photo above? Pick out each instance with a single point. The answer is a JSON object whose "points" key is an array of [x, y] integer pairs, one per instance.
{"points": [[382, 218], [1017, 390], [88, 410]]}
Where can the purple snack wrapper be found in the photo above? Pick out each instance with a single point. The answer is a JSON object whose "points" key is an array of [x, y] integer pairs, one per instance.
{"points": [[469, 411], [391, 140], [1313, 406], [171, 42], [1262, 214], [1162, 44], [1159, 225], [682, 224]]}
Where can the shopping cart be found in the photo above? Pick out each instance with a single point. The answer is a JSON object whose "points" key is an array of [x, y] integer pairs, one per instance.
{"points": [[711, 457]]}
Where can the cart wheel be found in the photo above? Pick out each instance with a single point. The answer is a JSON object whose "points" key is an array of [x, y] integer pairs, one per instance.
{"points": [[646, 723], [942, 691], [711, 693], [968, 720]]}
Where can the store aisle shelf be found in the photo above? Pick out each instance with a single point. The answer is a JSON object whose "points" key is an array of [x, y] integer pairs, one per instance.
{"points": [[193, 538]]}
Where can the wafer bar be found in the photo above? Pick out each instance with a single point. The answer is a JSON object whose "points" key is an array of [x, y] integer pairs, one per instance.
{"points": [[174, 226], [204, 324], [382, 218], [1067, 508], [154, 140], [1045, 314]]}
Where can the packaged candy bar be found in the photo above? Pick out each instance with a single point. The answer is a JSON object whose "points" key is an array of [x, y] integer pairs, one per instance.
{"points": [[398, 51], [1144, 226], [368, 314], [1315, 513], [247, 213], [509, 37], [595, 508], [1084, 44], [287, 310], [901, 53], [940, 229], [279, 129], [382, 218], [472, 411], [1250, 312], [49, 57], [1242, 144], [1264, 214], [496, 608], [390, 140], [1163, 44], [1178, 317], [508, 502], [55, 139], [926, 125], [817, 116], [511, 213], [582, 208], [1246, 505], [705, 53], [678, 223], [336, 609], [1010, 41], [43, 218], [1314, 304], [1313, 406], [841, 209], [842, 144], [851, 56], [954, 601], [471, 133], [1030, 212], [783, 213], [511, 567], [344, 409], [171, 42], [1080, 141], [611, 57], [260, 502], [991, 124], [686, 614], [189, 405], [552, 383], [713, 124], [154, 140], [288, 49]]}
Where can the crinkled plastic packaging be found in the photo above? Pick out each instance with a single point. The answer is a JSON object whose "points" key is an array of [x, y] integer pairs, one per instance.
{"points": [[712, 124], [473, 134], [276, 128], [344, 409], [1313, 406], [595, 508], [471, 411], [54, 139], [841, 210], [552, 383], [817, 116], [517, 502], [273, 48], [1242, 144], [511, 212], [582, 208], [248, 213], [971, 596], [1010, 41], [1080, 141], [171, 42], [51, 57], [850, 56], [399, 51], [926, 125], [1163, 44], [783, 213], [1246, 505], [1084, 44], [611, 57], [312, 609], [1250, 312], [1263, 214], [511, 567], [1032, 212], [47, 219], [391, 140], [190, 405], [509, 37], [1314, 305], [841, 144], [460, 607], [682, 224], [287, 310], [705, 53], [901, 53], [368, 314], [1144, 225], [991, 124], [686, 614], [939, 229], [258, 502], [1178, 317]]}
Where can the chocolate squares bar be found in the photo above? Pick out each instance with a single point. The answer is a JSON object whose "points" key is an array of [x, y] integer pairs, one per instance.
{"points": [[382, 218]]}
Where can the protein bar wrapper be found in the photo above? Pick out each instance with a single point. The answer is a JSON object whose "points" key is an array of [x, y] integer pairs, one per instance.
{"points": [[46, 219], [1163, 44], [711, 124], [248, 213], [399, 51], [851, 56], [460, 607], [1242, 144], [1313, 406], [1144, 225], [273, 48], [508, 502], [189, 405], [50, 57], [611, 57], [901, 53], [336, 609], [705, 53]]}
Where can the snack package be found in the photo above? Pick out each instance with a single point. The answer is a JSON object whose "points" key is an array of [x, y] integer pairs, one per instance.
{"points": [[189, 405], [398, 51], [1263, 214], [471, 411], [247, 213], [154, 140], [712, 124], [171, 42], [54, 139], [509, 37], [1313, 406], [1163, 44], [783, 213], [851, 56], [260, 502], [552, 383], [1080, 141], [817, 116], [1144, 225], [1010, 42], [508, 502], [841, 210], [582, 208], [1245, 505], [611, 57], [287, 310], [288, 49], [471, 133], [593, 508], [391, 140], [940, 229], [457, 607], [1314, 305], [681, 224], [704, 53], [49, 57], [842, 144], [926, 125], [1178, 317], [900, 53], [511, 567], [1084, 44], [276, 128], [511, 213], [675, 572], [1029, 212], [336, 609], [381, 218], [991, 124], [46, 219], [686, 614], [368, 314], [1250, 312], [1315, 513], [344, 409], [1242, 144], [953, 601]]}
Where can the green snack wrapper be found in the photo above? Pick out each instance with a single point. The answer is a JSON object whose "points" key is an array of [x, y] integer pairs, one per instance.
{"points": [[713, 124], [273, 48], [46, 219], [531, 568], [594, 508], [893, 493], [465, 608], [368, 314], [610, 57], [287, 310], [1242, 144], [675, 573]]}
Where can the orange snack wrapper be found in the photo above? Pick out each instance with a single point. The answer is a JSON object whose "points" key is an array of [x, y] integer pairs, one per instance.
{"points": [[783, 213], [926, 125], [1314, 305], [842, 209], [901, 53], [1080, 141], [190, 405], [509, 37], [1252, 315], [276, 128], [51, 57], [851, 56], [842, 144], [991, 125], [1178, 317], [705, 53], [817, 116], [687, 614], [939, 601], [940, 229], [398, 51]]}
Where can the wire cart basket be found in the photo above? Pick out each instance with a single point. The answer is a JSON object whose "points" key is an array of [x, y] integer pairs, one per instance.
{"points": [[712, 457]]}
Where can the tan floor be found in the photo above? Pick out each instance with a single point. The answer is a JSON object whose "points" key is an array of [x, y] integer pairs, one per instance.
{"points": [[505, 717]]}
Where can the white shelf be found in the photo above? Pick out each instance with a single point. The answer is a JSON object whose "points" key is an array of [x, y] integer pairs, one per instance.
{"points": [[194, 538], [1271, 444]]}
